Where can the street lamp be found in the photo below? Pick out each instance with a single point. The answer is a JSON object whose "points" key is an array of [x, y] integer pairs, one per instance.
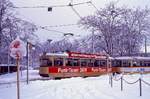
{"points": [[66, 34], [49, 41], [49, 9], [8, 58]]}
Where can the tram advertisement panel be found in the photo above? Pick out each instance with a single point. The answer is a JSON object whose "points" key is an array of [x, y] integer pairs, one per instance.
{"points": [[77, 69], [135, 69]]}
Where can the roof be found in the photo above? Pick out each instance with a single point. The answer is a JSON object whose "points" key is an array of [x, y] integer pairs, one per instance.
{"points": [[7, 65], [76, 55], [58, 54], [132, 58]]}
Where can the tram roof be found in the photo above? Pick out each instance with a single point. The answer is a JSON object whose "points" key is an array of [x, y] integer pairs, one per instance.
{"points": [[76, 55], [131, 58], [57, 54]]}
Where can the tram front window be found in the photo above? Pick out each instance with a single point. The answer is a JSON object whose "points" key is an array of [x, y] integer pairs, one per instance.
{"points": [[45, 62]]}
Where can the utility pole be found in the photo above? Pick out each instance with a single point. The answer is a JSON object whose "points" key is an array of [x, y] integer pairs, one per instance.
{"points": [[93, 41], [8, 63], [145, 45], [27, 47]]}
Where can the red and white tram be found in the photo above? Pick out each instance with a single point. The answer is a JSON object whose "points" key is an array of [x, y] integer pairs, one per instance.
{"points": [[73, 64]]}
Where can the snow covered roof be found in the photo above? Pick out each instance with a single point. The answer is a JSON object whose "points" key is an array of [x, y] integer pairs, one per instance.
{"points": [[142, 58], [7, 65], [57, 54], [132, 58], [124, 58]]}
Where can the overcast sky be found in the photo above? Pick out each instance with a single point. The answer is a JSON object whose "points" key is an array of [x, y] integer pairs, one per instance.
{"points": [[64, 15]]}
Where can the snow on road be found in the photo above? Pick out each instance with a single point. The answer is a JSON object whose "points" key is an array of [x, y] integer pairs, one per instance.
{"points": [[77, 88]]}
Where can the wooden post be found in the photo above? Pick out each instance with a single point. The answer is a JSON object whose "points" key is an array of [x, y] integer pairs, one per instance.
{"points": [[18, 81]]}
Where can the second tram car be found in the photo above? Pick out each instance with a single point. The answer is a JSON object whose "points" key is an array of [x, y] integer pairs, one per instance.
{"points": [[134, 64], [73, 64]]}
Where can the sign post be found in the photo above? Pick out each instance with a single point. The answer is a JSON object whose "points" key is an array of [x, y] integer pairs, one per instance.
{"points": [[17, 51], [18, 80]]}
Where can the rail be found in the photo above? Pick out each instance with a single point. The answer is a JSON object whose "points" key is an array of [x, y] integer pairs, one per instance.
{"points": [[13, 82]]}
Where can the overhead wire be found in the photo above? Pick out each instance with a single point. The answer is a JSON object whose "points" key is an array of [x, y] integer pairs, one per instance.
{"points": [[71, 4], [41, 27], [75, 4], [61, 25], [76, 12], [93, 5]]}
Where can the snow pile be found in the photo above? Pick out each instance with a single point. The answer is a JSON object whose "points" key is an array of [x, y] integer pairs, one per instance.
{"points": [[78, 88]]}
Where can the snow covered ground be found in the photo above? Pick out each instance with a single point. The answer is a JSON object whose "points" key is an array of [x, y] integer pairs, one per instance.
{"points": [[74, 88]]}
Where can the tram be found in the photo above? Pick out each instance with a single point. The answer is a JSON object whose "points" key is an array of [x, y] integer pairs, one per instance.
{"points": [[133, 64], [73, 64]]}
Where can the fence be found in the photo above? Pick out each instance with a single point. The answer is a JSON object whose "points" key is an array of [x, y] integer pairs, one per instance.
{"points": [[122, 80]]}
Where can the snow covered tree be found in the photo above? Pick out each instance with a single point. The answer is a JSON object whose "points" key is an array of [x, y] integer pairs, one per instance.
{"points": [[120, 28], [11, 26]]}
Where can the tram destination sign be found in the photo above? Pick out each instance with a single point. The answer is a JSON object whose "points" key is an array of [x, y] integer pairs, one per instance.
{"points": [[85, 55]]}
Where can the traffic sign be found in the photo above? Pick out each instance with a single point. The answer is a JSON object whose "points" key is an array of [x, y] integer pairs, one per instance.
{"points": [[17, 48]]}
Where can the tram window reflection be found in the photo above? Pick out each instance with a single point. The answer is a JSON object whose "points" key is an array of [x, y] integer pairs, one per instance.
{"points": [[90, 62], [103, 63], [72, 62], [83, 62], [58, 61], [75, 62], [96, 63]]}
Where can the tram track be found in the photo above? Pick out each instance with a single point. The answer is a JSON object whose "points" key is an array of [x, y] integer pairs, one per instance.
{"points": [[34, 79]]}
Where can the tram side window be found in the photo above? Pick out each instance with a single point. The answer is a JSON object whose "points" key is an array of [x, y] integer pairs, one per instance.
{"points": [[116, 63], [49, 63], [97, 63], [58, 61], [75, 62], [72, 62], [126, 63], [141, 63], [146, 63], [83, 62], [103, 63], [69, 62], [90, 62]]}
